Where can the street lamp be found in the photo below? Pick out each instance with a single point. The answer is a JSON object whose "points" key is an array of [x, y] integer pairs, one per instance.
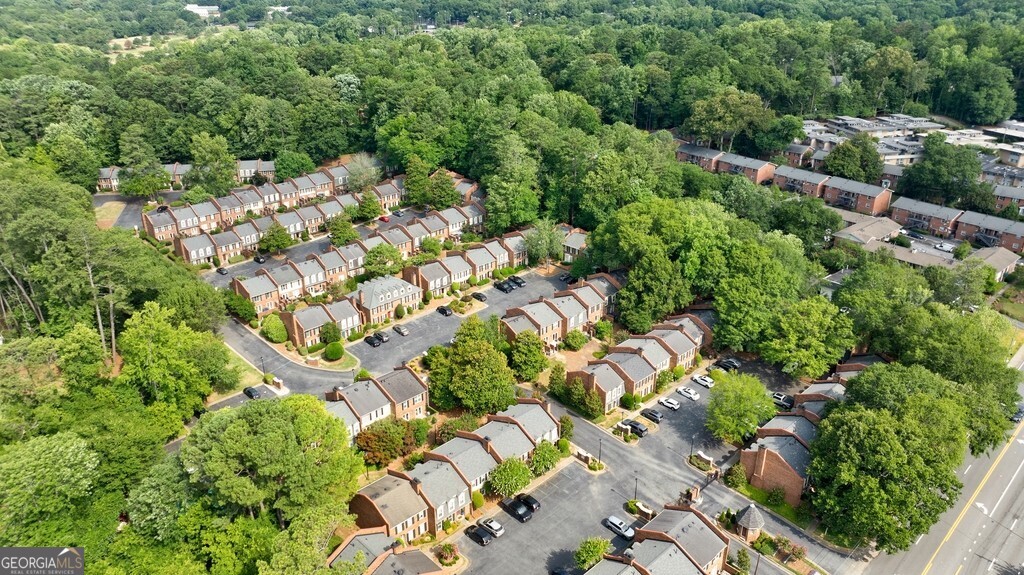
{"points": [[263, 366], [636, 482], [600, 444], [692, 439]]}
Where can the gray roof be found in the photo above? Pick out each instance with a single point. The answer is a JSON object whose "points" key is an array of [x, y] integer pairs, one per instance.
{"points": [[568, 305], [679, 343], [433, 223], [312, 317], [267, 190], [226, 238], [998, 257], [372, 545], [433, 272], [342, 310], [318, 178], [542, 314], [604, 376], [663, 558], [348, 200], [161, 219], [634, 365], [496, 249], [855, 187], [440, 481], [395, 497], [698, 151], [836, 391], [259, 285], [331, 207], [750, 518], [197, 242], [205, 209], [414, 562], [457, 265], [332, 260], [264, 223], [401, 385], [453, 216], [246, 229], [290, 219], [926, 209], [603, 286], [351, 251], [892, 170], [789, 449], [287, 188], [816, 407], [248, 197], [794, 424], [480, 256], [395, 236], [472, 210], [516, 243], [228, 202], [388, 189], [743, 161], [609, 567], [373, 241], [338, 171], [284, 274], [519, 324], [384, 289], [508, 440], [791, 173], [365, 397], [310, 213], [1009, 192], [533, 417], [873, 229], [308, 267], [651, 350], [112, 171], [469, 456], [342, 411], [993, 223], [417, 230], [589, 295], [692, 534], [182, 213], [575, 240], [691, 328]]}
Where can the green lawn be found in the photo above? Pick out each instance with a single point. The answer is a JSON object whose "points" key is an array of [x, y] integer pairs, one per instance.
{"points": [[1012, 309], [799, 518]]}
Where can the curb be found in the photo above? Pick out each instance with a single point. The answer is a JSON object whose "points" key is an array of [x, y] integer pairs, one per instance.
{"points": [[249, 332]]}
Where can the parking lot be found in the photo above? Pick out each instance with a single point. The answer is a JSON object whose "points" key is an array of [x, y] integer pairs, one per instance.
{"points": [[429, 328]]}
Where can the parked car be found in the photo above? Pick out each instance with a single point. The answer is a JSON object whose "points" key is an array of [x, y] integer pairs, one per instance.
{"points": [[520, 282], [401, 330], [222, 271], [252, 393], [373, 341], [383, 337], [481, 536], [915, 235], [1017, 417], [704, 380], [259, 259], [529, 501], [635, 427], [492, 527], [688, 392], [384, 219], [503, 287], [517, 509], [398, 213], [669, 403], [444, 310], [652, 414], [782, 400], [619, 527], [479, 297], [566, 277], [728, 363], [945, 247]]}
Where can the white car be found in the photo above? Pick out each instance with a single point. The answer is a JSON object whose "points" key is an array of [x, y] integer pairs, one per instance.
{"points": [[704, 380], [688, 392], [492, 527], [669, 403], [945, 247], [619, 527]]}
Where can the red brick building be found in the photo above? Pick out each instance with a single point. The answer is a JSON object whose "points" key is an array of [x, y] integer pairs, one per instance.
{"points": [[757, 171], [934, 219], [857, 196], [800, 181]]}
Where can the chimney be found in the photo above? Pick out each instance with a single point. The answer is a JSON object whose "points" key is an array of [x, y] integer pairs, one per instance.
{"points": [[332, 395]]}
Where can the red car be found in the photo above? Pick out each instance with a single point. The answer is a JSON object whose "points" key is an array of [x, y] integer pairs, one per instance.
{"points": [[384, 219]]}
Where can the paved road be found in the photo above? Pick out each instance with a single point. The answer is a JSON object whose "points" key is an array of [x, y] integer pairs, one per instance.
{"points": [[984, 532], [131, 215], [429, 328]]}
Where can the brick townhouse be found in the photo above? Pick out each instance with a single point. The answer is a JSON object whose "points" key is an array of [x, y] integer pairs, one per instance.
{"points": [[936, 220], [857, 196], [392, 503], [706, 158], [991, 231], [378, 298], [800, 181], [757, 171]]}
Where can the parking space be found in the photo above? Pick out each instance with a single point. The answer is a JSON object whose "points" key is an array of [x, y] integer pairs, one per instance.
{"points": [[429, 328], [770, 375]]}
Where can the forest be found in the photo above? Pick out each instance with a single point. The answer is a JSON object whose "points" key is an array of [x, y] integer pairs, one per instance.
{"points": [[561, 110]]}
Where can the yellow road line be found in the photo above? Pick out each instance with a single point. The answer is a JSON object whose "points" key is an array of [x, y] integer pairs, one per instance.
{"points": [[970, 502], [958, 569]]}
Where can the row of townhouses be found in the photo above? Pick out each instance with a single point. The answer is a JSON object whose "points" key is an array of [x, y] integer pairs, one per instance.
{"points": [[576, 308], [970, 226], [633, 365], [400, 394], [408, 504], [109, 179]]}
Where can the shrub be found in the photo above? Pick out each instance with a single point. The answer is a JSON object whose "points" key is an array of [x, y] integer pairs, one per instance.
{"points": [[663, 381], [330, 333], [254, 323], [566, 424], [765, 545], [776, 497], [602, 329], [700, 463], [268, 378], [317, 347], [355, 335], [478, 500], [736, 477], [595, 465], [631, 506], [678, 372], [363, 374], [798, 552], [204, 266], [413, 460], [420, 306], [628, 401], [447, 554], [427, 296], [420, 430], [743, 561], [465, 422], [575, 340], [289, 346], [334, 351], [563, 446], [216, 261], [472, 280], [273, 329], [400, 312], [447, 525], [303, 351]]}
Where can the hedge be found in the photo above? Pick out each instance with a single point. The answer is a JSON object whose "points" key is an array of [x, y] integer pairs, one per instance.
{"points": [[334, 351], [317, 347], [273, 329]]}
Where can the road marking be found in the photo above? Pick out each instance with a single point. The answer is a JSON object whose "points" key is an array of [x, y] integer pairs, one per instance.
{"points": [[981, 506], [1014, 524], [990, 564], [958, 570], [974, 496], [968, 469], [919, 538], [1014, 476]]}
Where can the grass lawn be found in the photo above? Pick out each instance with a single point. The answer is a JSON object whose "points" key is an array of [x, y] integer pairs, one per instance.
{"points": [[346, 363], [1010, 308], [248, 377], [798, 518], [108, 213]]}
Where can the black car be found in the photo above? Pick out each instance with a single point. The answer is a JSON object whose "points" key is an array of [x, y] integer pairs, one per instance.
{"points": [[383, 337], [259, 259], [728, 364], [529, 501], [503, 287], [565, 277], [517, 509], [481, 536], [479, 297], [915, 235], [444, 310], [518, 281], [252, 393], [222, 271], [1017, 417], [373, 341], [652, 414]]}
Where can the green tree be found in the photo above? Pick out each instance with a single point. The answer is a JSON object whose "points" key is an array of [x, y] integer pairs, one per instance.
{"points": [[738, 404], [383, 260], [369, 206], [807, 337], [575, 340], [544, 458], [566, 427], [527, 357], [855, 159], [304, 547], [334, 351], [275, 239], [544, 242], [591, 551], [962, 287], [945, 174], [780, 133], [76, 161], [330, 333], [289, 164], [509, 477], [417, 181], [655, 288], [155, 504], [446, 431], [142, 174], [363, 172], [430, 246], [273, 329], [342, 231], [474, 375], [442, 193], [239, 306], [512, 195], [213, 166]]}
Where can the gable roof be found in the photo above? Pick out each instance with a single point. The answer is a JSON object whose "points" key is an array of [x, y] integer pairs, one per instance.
{"points": [[998, 257], [632, 364], [160, 219], [312, 317], [796, 425], [457, 265], [332, 260], [318, 178], [743, 161], [469, 456], [926, 209], [542, 314], [433, 223], [506, 438], [854, 187], [202, 241], [381, 290], [365, 397], [414, 562], [679, 343], [433, 271], [987, 222], [342, 309], [283, 274], [439, 480], [873, 229], [791, 173], [226, 238], [453, 216], [650, 349], [690, 532], [604, 376], [205, 209], [373, 545], [395, 497], [699, 151], [308, 267], [402, 384], [519, 324], [258, 285], [310, 213], [575, 240], [533, 417]]}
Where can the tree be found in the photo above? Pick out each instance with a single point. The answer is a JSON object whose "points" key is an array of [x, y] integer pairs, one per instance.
{"points": [[304, 547], [509, 477], [240, 306], [430, 246], [544, 458], [946, 174], [807, 337], [142, 174], [442, 193], [286, 455], [330, 333], [603, 329], [962, 287], [155, 504], [384, 441], [342, 231], [273, 329], [213, 166], [474, 375], [780, 133], [76, 161], [363, 172], [383, 260], [512, 195], [738, 404], [289, 164], [566, 426], [417, 180], [527, 357], [446, 431], [591, 551], [369, 206], [42, 480], [276, 238], [575, 340], [855, 159], [334, 351], [655, 288]]}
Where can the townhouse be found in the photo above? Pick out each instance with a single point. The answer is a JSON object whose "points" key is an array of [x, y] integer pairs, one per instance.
{"points": [[304, 325], [435, 226], [458, 268], [246, 169], [870, 230], [454, 219], [176, 172], [891, 175], [481, 261], [779, 456], [270, 197], [693, 327], [573, 245], [537, 317], [430, 277], [227, 245], [681, 349], [381, 555], [649, 348], [390, 193], [506, 439], [289, 193], [502, 254], [417, 232], [305, 188], [475, 214], [636, 371], [292, 223], [572, 312], [396, 236], [335, 267], [288, 281], [406, 391], [534, 417], [474, 461], [331, 209], [936, 220], [354, 256], [322, 184], [208, 215], [377, 299], [367, 401], [757, 171], [468, 189], [109, 179], [796, 155], [391, 502], [338, 176], [196, 249], [186, 220], [800, 181], [446, 491], [160, 224], [857, 196], [229, 209], [312, 218], [590, 299], [248, 234], [706, 158], [251, 200], [1007, 196], [990, 231], [603, 379], [260, 290], [312, 274], [515, 242]]}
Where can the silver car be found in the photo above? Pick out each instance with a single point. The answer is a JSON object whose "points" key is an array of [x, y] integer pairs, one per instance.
{"points": [[688, 393], [704, 380], [619, 527], [492, 527]]}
